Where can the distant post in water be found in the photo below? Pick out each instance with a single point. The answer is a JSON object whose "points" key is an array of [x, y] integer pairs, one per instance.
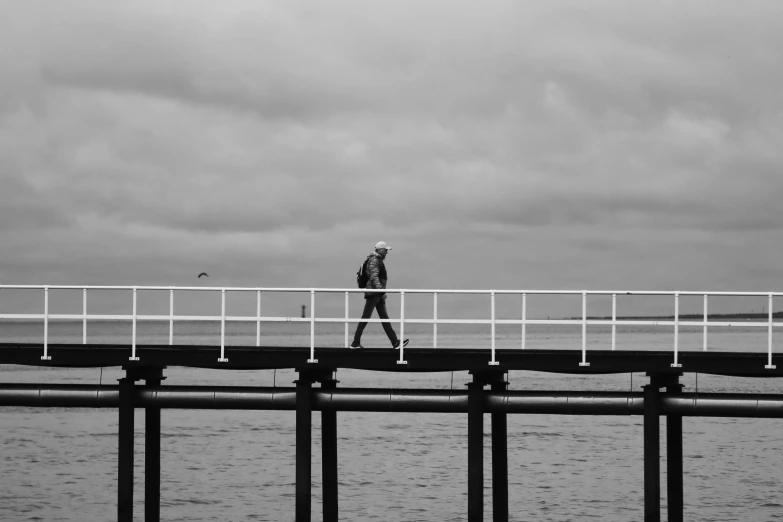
{"points": [[303, 311]]}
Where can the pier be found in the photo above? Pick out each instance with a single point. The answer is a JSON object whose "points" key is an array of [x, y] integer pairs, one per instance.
{"points": [[317, 390]]}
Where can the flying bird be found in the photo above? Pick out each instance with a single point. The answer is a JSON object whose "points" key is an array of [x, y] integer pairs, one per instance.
{"points": [[203, 274]]}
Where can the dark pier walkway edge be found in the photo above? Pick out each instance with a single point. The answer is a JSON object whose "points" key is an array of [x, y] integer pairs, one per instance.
{"points": [[740, 364]]}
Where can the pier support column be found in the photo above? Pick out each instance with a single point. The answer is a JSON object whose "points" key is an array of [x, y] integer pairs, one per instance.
{"points": [[304, 420], [125, 449], [652, 446], [476, 443], [499, 459], [153, 378], [476, 450], [652, 453], [304, 440], [329, 455], [674, 489]]}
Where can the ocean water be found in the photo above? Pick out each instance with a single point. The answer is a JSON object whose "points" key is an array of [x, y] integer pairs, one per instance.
{"points": [[61, 464]]}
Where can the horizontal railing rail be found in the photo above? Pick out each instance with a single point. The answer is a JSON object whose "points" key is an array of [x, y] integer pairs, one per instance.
{"points": [[491, 320]]}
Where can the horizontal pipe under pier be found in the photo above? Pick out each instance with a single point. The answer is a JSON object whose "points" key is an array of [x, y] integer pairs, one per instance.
{"points": [[393, 400]]}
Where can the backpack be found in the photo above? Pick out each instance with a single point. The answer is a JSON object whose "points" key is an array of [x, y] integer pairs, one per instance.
{"points": [[362, 276]]}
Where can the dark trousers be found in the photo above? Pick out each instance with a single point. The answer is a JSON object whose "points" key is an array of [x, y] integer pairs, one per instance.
{"points": [[376, 302]]}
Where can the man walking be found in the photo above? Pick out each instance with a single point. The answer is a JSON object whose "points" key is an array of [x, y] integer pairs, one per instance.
{"points": [[376, 270]]}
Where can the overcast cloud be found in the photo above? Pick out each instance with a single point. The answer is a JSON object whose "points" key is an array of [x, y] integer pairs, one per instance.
{"points": [[501, 144]]}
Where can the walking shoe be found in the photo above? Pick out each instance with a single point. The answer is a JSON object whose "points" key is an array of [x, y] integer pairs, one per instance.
{"points": [[396, 345], [356, 346]]}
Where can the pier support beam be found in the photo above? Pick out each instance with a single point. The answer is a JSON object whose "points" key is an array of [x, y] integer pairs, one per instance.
{"points": [[303, 446], [674, 489], [499, 459], [329, 455], [153, 379], [125, 450]]}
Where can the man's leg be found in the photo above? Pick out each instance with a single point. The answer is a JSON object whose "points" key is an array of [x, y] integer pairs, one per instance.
{"points": [[387, 327], [369, 306]]}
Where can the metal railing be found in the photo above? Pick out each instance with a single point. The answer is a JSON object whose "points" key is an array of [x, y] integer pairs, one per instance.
{"points": [[492, 320]]}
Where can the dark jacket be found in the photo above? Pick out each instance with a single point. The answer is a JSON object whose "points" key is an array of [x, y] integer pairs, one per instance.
{"points": [[377, 274]]}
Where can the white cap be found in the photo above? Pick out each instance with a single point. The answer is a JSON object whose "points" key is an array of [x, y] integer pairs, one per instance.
{"points": [[382, 244]]}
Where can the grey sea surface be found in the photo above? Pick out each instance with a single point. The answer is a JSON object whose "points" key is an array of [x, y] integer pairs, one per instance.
{"points": [[60, 464]]}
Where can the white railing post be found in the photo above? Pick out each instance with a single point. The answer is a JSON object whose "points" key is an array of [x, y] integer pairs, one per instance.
{"points": [[46, 356], [676, 363], [769, 365], [258, 318], [222, 326], [312, 358], [346, 319], [133, 335], [402, 328], [435, 319], [614, 321], [84, 316], [493, 362], [704, 337], [171, 317], [584, 330], [524, 319]]}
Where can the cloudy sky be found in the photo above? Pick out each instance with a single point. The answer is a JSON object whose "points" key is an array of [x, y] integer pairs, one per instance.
{"points": [[499, 144]]}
